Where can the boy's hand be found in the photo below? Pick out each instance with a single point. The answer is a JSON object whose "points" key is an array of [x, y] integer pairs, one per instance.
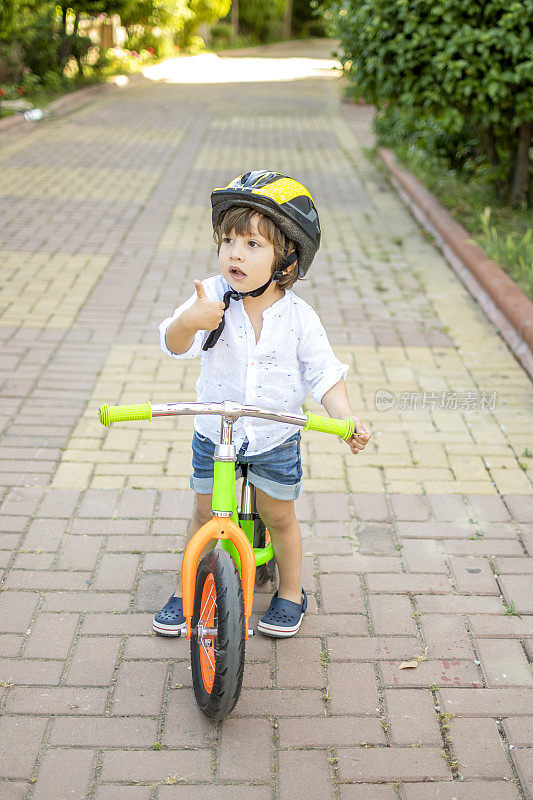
{"points": [[205, 314], [361, 436]]}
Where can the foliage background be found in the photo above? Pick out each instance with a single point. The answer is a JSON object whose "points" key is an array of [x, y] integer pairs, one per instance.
{"points": [[456, 72]]}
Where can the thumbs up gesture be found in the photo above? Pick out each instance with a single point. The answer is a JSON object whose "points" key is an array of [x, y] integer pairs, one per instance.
{"points": [[205, 314]]}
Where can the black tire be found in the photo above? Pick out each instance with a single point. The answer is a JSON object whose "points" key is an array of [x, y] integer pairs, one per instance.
{"points": [[264, 572], [216, 701]]}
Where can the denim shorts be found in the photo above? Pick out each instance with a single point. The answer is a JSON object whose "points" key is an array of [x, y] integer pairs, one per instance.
{"points": [[278, 472]]}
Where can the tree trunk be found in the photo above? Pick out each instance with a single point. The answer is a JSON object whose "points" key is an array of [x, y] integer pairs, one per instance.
{"points": [[520, 184], [63, 46], [234, 17], [287, 20], [75, 33], [489, 146]]}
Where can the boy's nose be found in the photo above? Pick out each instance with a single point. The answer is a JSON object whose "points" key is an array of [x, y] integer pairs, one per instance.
{"points": [[236, 251]]}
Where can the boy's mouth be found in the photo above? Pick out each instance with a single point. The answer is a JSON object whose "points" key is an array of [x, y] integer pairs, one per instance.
{"points": [[236, 272]]}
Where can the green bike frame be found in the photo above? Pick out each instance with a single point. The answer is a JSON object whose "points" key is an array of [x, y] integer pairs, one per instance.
{"points": [[225, 501]]}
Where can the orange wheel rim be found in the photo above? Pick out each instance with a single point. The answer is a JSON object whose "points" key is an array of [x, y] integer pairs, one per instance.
{"points": [[207, 646]]}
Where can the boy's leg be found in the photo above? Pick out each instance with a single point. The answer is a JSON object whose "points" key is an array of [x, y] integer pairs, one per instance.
{"points": [[170, 620], [280, 518], [201, 514]]}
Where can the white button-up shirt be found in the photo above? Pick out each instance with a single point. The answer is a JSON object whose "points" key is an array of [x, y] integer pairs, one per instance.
{"points": [[293, 355]]}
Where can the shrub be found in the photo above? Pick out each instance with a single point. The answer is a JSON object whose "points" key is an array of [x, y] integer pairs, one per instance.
{"points": [[140, 38], [260, 19], [467, 63], [11, 62], [304, 19], [39, 41], [457, 148], [222, 31]]}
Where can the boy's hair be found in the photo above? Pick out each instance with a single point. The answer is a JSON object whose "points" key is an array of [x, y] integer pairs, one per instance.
{"points": [[238, 219]]}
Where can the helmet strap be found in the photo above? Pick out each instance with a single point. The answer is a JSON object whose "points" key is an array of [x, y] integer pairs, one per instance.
{"points": [[278, 273]]}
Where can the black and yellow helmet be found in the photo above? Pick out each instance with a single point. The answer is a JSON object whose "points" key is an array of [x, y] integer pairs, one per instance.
{"points": [[284, 200]]}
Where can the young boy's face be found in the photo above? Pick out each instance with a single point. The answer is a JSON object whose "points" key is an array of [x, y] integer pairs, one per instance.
{"points": [[246, 261]]}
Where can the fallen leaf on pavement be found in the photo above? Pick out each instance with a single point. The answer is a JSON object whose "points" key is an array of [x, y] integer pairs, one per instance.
{"points": [[415, 661], [409, 664]]}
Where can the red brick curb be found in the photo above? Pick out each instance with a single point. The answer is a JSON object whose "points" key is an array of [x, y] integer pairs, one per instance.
{"points": [[516, 310]]}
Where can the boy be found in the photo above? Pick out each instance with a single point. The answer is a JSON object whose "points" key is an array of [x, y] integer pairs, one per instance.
{"points": [[265, 348]]}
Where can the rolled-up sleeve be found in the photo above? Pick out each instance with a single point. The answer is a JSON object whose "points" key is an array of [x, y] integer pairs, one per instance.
{"points": [[321, 368], [199, 336]]}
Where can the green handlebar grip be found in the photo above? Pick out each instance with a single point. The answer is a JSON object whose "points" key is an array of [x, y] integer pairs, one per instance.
{"points": [[340, 427], [109, 414]]}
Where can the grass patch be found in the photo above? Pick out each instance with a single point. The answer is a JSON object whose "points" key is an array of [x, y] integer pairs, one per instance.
{"points": [[503, 234]]}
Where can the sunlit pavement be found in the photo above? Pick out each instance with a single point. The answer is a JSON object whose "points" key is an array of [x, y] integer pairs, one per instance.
{"points": [[416, 551], [213, 69]]}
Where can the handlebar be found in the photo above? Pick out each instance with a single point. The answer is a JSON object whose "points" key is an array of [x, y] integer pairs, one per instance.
{"points": [[146, 411]]}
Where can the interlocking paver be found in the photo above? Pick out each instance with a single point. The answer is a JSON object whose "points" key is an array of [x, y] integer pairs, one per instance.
{"points": [[94, 661], [303, 774], [487, 702], [45, 534], [28, 733], [423, 555], [407, 548], [394, 763], [55, 700], [517, 591], [473, 575], [391, 615], [363, 701], [80, 553], [412, 717], [56, 771], [479, 748], [215, 792], [440, 672], [140, 688], [519, 730], [51, 636], [367, 791], [16, 610], [523, 760], [244, 742], [30, 671], [446, 636], [465, 790], [504, 663]]}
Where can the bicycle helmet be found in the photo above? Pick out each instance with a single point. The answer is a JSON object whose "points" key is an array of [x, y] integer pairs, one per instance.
{"points": [[284, 200]]}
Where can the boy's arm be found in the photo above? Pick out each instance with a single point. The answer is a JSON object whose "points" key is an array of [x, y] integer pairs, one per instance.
{"points": [[204, 315], [337, 404]]}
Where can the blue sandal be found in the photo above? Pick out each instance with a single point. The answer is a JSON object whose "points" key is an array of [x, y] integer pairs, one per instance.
{"points": [[283, 618], [170, 620]]}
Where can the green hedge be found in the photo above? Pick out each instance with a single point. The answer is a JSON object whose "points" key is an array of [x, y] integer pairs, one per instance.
{"points": [[466, 63]]}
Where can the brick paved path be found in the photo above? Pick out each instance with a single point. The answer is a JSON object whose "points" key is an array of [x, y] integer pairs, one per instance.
{"points": [[418, 548]]}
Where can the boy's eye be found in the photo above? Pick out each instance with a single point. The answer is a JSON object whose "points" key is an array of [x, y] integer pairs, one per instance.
{"points": [[254, 244]]}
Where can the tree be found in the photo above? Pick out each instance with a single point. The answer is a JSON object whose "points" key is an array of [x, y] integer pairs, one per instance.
{"points": [[462, 60], [165, 14], [287, 19], [234, 17], [261, 19], [204, 11], [72, 44]]}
